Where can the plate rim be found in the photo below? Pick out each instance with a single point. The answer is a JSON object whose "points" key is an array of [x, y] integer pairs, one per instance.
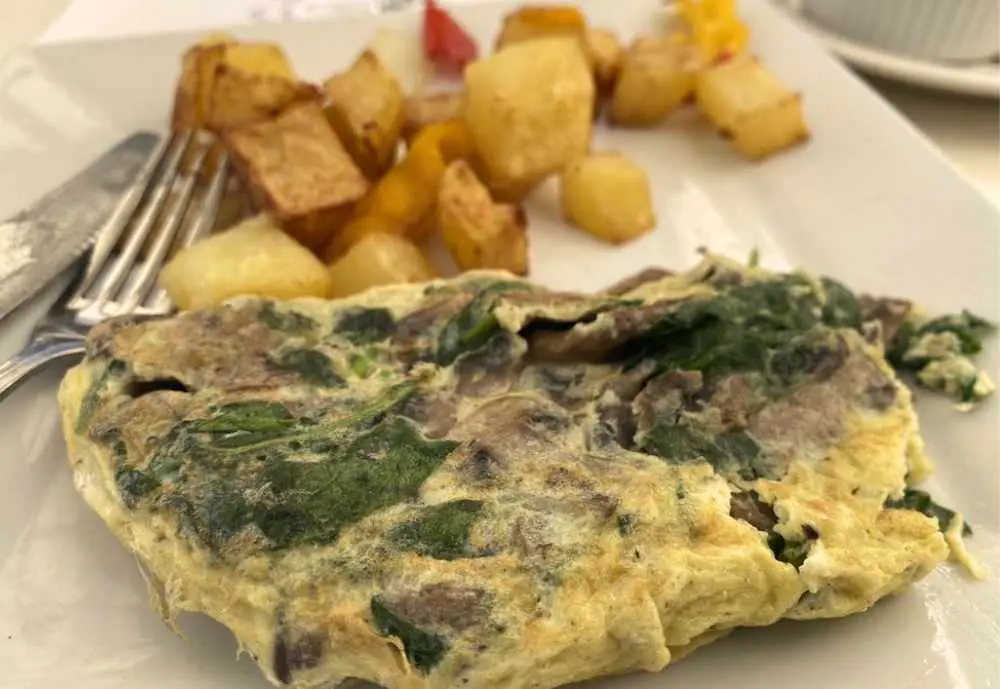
{"points": [[969, 81], [916, 138]]}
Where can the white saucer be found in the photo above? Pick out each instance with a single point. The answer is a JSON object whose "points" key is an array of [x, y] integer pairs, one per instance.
{"points": [[973, 79]]}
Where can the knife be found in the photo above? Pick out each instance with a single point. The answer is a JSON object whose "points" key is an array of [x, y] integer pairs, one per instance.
{"points": [[42, 241]]}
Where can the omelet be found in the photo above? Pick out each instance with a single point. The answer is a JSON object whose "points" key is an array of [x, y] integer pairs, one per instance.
{"points": [[478, 482]]}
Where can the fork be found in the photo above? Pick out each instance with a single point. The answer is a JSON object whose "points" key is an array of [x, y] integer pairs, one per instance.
{"points": [[122, 283]]}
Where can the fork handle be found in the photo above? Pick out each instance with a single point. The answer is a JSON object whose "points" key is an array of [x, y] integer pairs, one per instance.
{"points": [[43, 349]]}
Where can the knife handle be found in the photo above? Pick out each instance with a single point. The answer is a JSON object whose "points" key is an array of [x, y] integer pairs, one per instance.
{"points": [[45, 347]]}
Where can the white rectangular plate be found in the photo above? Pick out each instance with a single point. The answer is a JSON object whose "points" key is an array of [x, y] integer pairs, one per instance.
{"points": [[867, 200]]}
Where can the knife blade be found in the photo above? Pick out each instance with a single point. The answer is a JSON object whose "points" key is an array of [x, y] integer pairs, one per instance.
{"points": [[42, 241]]}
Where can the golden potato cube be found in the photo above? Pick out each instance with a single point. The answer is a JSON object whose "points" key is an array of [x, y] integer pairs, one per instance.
{"points": [[478, 232], [607, 195], [191, 96], [366, 112], [432, 108], [657, 76], [748, 104], [253, 258], [378, 259], [540, 21], [248, 82], [606, 53], [529, 108], [298, 171], [358, 228]]}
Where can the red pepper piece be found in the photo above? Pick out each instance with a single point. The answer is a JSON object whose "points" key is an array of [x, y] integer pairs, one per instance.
{"points": [[446, 44]]}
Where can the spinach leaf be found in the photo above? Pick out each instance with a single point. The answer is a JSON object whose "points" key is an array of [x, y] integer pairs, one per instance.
{"points": [[312, 366], [239, 424], [423, 649], [377, 469], [242, 468], [95, 393], [474, 325], [287, 321], [731, 453], [841, 309], [738, 329], [259, 425], [626, 524], [793, 552], [920, 501], [361, 365], [134, 484], [364, 326], [441, 532], [968, 327], [250, 416]]}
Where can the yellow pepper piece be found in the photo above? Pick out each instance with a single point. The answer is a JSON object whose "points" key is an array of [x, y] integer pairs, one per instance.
{"points": [[398, 196], [528, 23], [451, 138], [716, 30], [402, 201]]}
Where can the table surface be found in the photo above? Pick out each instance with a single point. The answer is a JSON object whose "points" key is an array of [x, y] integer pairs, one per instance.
{"points": [[966, 129]]}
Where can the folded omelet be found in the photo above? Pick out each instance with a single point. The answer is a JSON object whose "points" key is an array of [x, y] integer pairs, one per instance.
{"points": [[478, 482]]}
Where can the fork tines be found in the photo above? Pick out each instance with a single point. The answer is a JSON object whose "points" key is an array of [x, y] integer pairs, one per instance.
{"points": [[173, 202]]}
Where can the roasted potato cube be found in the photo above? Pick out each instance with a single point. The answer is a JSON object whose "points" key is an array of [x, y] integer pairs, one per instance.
{"points": [[366, 112], [546, 21], [253, 258], [378, 259], [529, 108], [226, 84], [657, 76], [748, 104], [425, 109], [298, 171], [478, 232], [607, 195], [605, 52], [193, 92]]}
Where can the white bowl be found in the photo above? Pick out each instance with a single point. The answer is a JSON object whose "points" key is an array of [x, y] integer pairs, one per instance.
{"points": [[931, 29]]}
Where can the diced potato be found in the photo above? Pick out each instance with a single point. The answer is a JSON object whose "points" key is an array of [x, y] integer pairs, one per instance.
{"points": [[530, 108], [193, 92], [747, 103], [657, 76], [424, 109], [545, 21], [240, 83], [366, 112], [298, 171], [253, 258], [478, 232], [606, 53], [378, 259], [607, 195], [358, 228]]}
